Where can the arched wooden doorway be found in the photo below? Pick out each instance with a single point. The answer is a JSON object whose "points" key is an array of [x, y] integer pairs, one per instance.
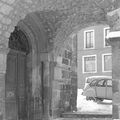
{"points": [[17, 84]]}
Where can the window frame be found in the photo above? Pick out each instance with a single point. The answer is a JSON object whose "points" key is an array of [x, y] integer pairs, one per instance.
{"points": [[92, 30], [83, 63], [104, 37], [103, 62]]}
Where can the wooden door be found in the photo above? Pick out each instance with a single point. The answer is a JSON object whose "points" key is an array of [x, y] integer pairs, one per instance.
{"points": [[16, 97]]}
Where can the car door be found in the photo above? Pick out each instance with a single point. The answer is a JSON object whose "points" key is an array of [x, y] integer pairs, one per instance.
{"points": [[100, 89], [109, 89]]}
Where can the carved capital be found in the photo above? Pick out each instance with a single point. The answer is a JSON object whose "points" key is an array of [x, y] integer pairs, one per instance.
{"points": [[114, 19]]}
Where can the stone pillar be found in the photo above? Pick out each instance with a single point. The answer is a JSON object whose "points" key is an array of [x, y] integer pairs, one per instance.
{"points": [[115, 43], [3, 63], [114, 40], [46, 89]]}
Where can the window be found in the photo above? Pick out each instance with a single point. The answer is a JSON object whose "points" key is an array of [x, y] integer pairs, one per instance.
{"points": [[106, 31], [89, 64], [89, 39], [107, 62], [101, 83], [109, 83], [93, 83]]}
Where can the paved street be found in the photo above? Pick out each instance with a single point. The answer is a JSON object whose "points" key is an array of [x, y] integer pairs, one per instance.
{"points": [[90, 107], [93, 107]]}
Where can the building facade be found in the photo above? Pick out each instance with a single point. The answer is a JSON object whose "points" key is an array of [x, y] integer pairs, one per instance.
{"points": [[94, 53]]}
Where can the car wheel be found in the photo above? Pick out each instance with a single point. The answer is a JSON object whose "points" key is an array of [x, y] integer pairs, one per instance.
{"points": [[87, 98]]}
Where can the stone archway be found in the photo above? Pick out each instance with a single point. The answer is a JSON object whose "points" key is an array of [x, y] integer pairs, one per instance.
{"points": [[12, 11], [37, 65]]}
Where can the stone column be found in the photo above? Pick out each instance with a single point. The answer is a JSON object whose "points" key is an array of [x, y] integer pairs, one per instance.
{"points": [[3, 63], [115, 43], [114, 40], [46, 90]]}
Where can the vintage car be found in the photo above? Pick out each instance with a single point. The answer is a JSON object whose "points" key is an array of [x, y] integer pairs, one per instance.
{"points": [[98, 89]]}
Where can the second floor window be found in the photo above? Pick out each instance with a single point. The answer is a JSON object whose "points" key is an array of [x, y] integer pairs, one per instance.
{"points": [[89, 39], [106, 31], [89, 64], [107, 62]]}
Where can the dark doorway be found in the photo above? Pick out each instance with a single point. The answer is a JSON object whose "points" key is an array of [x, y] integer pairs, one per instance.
{"points": [[17, 88]]}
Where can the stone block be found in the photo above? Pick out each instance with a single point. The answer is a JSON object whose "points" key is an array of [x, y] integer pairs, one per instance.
{"points": [[8, 1], [28, 1], [115, 85], [115, 112], [7, 34], [6, 21], [1, 16], [0, 25], [2, 63], [5, 9], [116, 98]]}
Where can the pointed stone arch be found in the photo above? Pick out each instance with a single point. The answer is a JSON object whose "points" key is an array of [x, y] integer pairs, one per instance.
{"points": [[73, 24]]}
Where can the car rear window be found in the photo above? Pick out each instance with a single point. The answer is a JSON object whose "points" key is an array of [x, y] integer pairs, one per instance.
{"points": [[90, 80], [93, 83], [109, 83], [101, 83]]}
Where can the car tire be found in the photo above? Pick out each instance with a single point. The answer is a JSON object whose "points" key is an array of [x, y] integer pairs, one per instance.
{"points": [[87, 98]]}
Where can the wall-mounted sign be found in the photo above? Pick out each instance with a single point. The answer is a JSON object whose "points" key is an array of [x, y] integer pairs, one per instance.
{"points": [[10, 94]]}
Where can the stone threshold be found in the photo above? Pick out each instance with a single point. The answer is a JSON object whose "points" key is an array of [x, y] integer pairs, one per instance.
{"points": [[86, 115]]}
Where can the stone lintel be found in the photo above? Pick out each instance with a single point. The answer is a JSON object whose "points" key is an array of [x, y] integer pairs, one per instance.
{"points": [[113, 40], [114, 34]]}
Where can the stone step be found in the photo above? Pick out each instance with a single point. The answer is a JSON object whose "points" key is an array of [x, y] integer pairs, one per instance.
{"points": [[86, 115], [83, 119], [67, 119]]}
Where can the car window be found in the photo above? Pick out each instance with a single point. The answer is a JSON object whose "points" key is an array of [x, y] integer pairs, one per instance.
{"points": [[88, 80], [101, 83], [109, 83], [93, 83]]}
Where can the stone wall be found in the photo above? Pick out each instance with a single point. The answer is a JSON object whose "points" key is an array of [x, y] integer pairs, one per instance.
{"points": [[12, 11], [65, 79], [114, 19]]}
